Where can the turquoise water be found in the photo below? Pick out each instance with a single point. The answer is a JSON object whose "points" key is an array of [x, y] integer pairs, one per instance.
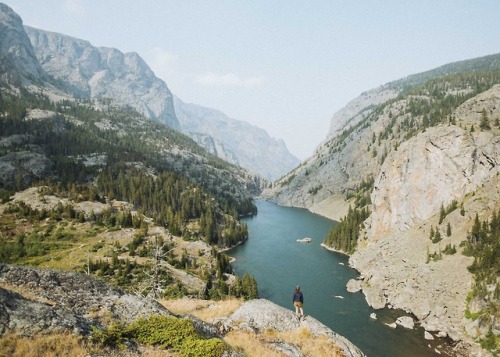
{"points": [[278, 262]]}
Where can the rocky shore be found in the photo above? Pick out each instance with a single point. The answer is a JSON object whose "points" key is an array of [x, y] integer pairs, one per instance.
{"points": [[396, 272]]}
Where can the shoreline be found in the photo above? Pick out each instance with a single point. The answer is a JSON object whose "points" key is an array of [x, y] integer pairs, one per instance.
{"points": [[334, 250], [229, 248], [334, 208]]}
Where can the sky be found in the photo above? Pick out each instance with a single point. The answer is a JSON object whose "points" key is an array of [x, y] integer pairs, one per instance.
{"points": [[284, 66]]}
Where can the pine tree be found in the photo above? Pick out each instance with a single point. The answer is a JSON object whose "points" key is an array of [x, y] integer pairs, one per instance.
{"points": [[485, 122], [442, 214]]}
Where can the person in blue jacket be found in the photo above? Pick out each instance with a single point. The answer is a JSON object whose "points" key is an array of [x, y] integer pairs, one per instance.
{"points": [[298, 302]]}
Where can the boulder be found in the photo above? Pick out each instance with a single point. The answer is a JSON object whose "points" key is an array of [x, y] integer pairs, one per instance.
{"points": [[36, 300], [353, 285], [406, 322]]}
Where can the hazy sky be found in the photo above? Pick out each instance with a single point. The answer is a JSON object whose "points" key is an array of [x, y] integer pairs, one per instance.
{"points": [[285, 66]]}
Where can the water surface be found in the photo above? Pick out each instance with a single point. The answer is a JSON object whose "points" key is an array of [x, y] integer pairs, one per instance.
{"points": [[279, 263]]}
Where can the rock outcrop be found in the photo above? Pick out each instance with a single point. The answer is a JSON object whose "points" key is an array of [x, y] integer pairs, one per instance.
{"points": [[43, 301], [18, 62], [261, 315]]}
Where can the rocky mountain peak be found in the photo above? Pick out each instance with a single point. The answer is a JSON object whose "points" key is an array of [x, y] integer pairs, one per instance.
{"points": [[18, 63], [101, 72]]}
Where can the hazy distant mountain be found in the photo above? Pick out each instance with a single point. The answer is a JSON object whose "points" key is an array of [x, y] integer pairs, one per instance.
{"points": [[45, 126], [235, 141], [99, 72]]}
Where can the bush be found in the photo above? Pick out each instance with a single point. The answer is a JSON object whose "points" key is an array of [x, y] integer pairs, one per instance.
{"points": [[110, 336], [160, 330], [192, 347], [164, 331]]}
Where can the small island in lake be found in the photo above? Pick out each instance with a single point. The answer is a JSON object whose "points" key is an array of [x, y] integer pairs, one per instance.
{"points": [[305, 240]]}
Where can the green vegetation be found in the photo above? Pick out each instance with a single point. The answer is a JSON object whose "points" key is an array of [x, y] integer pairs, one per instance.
{"points": [[173, 202], [345, 234], [483, 243], [165, 332], [314, 190], [50, 235], [117, 138], [97, 156]]}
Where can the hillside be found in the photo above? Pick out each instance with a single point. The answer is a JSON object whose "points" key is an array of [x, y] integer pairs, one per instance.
{"points": [[235, 141], [41, 307], [73, 171], [399, 156]]}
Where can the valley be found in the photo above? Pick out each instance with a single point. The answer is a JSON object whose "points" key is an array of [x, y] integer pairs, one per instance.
{"points": [[110, 183]]}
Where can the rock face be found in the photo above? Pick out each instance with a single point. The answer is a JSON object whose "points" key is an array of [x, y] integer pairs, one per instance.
{"points": [[100, 72], [260, 315], [414, 174], [18, 63], [33, 301], [235, 141], [443, 164], [354, 111]]}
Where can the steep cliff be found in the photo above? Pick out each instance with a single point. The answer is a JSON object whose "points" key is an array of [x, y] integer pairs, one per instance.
{"points": [[99, 72], [18, 63]]}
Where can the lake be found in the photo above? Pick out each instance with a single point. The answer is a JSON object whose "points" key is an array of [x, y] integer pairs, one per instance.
{"points": [[279, 263]]}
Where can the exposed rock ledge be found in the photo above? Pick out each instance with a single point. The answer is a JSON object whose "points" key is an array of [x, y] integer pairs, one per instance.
{"points": [[260, 314], [45, 301]]}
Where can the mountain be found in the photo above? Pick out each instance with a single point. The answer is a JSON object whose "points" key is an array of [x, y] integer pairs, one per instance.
{"points": [[99, 72], [113, 194], [106, 73], [47, 133], [235, 141], [18, 63], [409, 169]]}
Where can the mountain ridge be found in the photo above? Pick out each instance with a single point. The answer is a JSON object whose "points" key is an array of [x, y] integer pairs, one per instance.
{"points": [[93, 72], [432, 141], [102, 72], [235, 141]]}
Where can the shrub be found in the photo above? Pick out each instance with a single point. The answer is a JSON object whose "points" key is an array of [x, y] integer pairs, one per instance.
{"points": [[192, 347], [160, 330], [163, 331]]}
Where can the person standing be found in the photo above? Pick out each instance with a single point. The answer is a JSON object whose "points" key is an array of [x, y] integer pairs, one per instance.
{"points": [[298, 302]]}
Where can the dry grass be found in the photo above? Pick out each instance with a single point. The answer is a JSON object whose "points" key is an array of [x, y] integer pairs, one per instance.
{"points": [[57, 345], [259, 345], [318, 346], [66, 345], [250, 344], [206, 310]]}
